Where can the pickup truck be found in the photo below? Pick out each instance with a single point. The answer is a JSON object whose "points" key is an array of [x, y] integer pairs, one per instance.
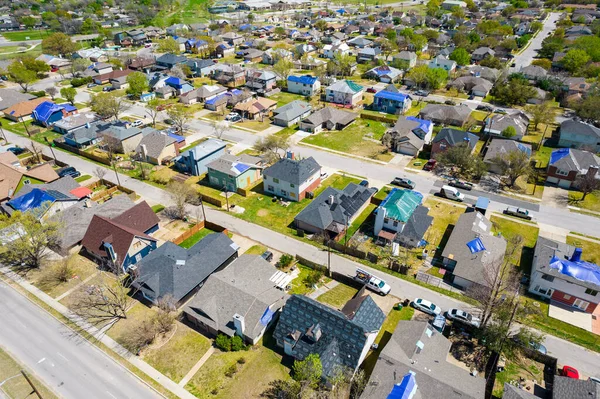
{"points": [[372, 282], [518, 212], [465, 185]]}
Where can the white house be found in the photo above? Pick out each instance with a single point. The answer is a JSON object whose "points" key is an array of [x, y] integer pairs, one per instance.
{"points": [[331, 50], [344, 92], [442, 62], [291, 178], [305, 85]]}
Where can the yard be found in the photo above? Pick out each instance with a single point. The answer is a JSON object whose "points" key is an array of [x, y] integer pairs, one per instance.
{"points": [[188, 243], [256, 250], [301, 284], [18, 387], [284, 98], [591, 201], [523, 255], [19, 36], [338, 296], [361, 138], [591, 250], [444, 215], [522, 367], [415, 109]]}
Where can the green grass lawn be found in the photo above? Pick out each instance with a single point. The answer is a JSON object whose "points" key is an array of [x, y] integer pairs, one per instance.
{"points": [[338, 296], [514, 370], [444, 215], [256, 250], [18, 387], [356, 139], [591, 202], [415, 109], [591, 250], [255, 124], [82, 178], [157, 208], [192, 145], [523, 255], [19, 36], [284, 98], [360, 219], [196, 237], [287, 131], [542, 156]]}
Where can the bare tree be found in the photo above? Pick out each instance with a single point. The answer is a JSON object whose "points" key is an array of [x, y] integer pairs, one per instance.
{"points": [[111, 145], [513, 165], [180, 115], [165, 316], [139, 336], [220, 128], [103, 302], [37, 150], [61, 271], [588, 183], [180, 194], [152, 110], [52, 91], [100, 172], [271, 146]]}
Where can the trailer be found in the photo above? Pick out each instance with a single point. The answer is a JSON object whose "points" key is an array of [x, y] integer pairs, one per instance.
{"points": [[372, 282]]}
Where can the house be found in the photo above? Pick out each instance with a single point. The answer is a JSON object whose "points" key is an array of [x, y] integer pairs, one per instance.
{"points": [[385, 74], [273, 55], [196, 46], [194, 161], [401, 218], [175, 272], [10, 97], [500, 148], [332, 50], [442, 62], [224, 49], [218, 103], [396, 374], [571, 388], [305, 85], [256, 108], [121, 241], [54, 62], [242, 299], [490, 74], [47, 113], [341, 338], [344, 92], [578, 134], [334, 210], [473, 254], [367, 54], [559, 273], [292, 178], [455, 115], [181, 86], [291, 113], [327, 118], [476, 86], [229, 75], [260, 80], [409, 134], [142, 64], [233, 172], [169, 60], [533, 72], [391, 102], [208, 92], [123, 138], [156, 148], [304, 48], [74, 122], [107, 77], [566, 165], [200, 67], [481, 53], [12, 178], [175, 29], [405, 60], [233, 38], [360, 42], [84, 136], [450, 4], [448, 137], [22, 110], [496, 124]]}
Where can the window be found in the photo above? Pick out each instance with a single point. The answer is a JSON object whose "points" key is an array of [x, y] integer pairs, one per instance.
{"points": [[591, 292], [395, 223], [543, 290], [137, 245], [284, 193], [547, 277], [26, 181], [292, 185], [566, 297], [275, 180], [270, 188], [561, 172]]}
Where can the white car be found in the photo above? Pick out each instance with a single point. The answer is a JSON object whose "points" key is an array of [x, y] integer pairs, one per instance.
{"points": [[461, 315], [233, 117], [137, 123], [426, 306]]}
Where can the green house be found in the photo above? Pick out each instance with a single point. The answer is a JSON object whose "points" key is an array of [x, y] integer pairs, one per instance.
{"points": [[235, 171]]}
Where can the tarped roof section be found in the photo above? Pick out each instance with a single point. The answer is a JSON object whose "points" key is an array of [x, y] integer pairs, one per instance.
{"points": [[34, 199], [405, 389], [476, 245], [400, 204], [578, 269], [558, 154]]}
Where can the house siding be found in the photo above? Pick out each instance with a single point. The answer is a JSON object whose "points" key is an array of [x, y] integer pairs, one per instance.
{"points": [[563, 291], [246, 179], [304, 89], [284, 189], [561, 180]]}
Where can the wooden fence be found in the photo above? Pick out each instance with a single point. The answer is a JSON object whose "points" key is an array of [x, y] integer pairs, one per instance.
{"points": [[337, 276], [245, 191], [65, 146], [196, 228], [111, 188], [436, 282], [378, 118]]}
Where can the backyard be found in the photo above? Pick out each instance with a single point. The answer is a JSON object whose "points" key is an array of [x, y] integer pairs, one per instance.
{"points": [[189, 242], [523, 255], [591, 249], [338, 296]]}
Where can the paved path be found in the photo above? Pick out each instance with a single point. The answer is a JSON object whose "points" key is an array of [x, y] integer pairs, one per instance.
{"points": [[197, 366]]}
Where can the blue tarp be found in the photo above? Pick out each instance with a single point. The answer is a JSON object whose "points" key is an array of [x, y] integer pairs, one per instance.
{"points": [[482, 203], [558, 154], [177, 137], [174, 81], [476, 245], [44, 110], [425, 125], [33, 199], [405, 389], [388, 95], [304, 79], [578, 269], [524, 149], [267, 317]]}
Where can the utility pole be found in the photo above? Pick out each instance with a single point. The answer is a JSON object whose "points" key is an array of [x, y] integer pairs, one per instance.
{"points": [[328, 258], [51, 149], [3, 135], [31, 384], [226, 196], [114, 164], [25, 125], [203, 212]]}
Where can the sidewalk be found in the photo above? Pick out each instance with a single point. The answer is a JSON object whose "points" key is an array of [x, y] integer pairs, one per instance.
{"points": [[96, 333]]}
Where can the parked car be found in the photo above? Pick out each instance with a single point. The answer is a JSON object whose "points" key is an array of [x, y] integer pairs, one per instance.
{"points": [[68, 171], [233, 117], [461, 315], [500, 111], [324, 175], [426, 306], [595, 379], [450, 102], [472, 97], [372, 282], [430, 165], [268, 256], [570, 372], [422, 93], [364, 183], [137, 123], [465, 185], [517, 212], [90, 85], [16, 150], [403, 182], [371, 90], [452, 194], [108, 88], [485, 108]]}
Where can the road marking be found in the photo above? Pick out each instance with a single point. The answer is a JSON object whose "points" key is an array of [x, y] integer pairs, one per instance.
{"points": [[61, 355], [111, 394], [42, 360]]}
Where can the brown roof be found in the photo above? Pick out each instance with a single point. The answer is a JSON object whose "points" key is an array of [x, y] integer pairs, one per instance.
{"points": [[113, 75], [142, 62], [103, 230], [8, 158], [42, 172], [140, 217], [255, 106], [9, 180], [24, 108]]}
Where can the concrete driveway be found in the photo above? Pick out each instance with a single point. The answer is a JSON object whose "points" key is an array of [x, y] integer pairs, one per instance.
{"points": [[555, 196]]}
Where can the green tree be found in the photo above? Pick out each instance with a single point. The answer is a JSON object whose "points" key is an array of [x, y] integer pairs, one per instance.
{"points": [[283, 68], [461, 56], [515, 92], [491, 62], [37, 66], [168, 45], [589, 44], [68, 93], [107, 105], [308, 370], [180, 115], [513, 164], [321, 24], [418, 75], [589, 107], [391, 34], [541, 113], [509, 132], [280, 32], [574, 60], [542, 62], [58, 44], [460, 161], [436, 77], [19, 74], [138, 84], [419, 42]]}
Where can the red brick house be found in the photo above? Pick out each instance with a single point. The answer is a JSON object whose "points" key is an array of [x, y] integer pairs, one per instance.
{"points": [[567, 164]]}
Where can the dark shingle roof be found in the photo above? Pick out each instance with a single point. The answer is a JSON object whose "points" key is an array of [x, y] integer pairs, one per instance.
{"points": [[292, 170], [455, 136], [581, 128], [140, 217], [513, 392], [417, 224], [155, 143]]}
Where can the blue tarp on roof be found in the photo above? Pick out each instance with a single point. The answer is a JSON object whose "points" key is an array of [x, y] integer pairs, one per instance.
{"points": [[576, 268], [245, 27], [425, 125], [215, 99], [558, 154], [33, 199], [173, 81], [388, 95], [304, 79], [177, 137], [267, 317], [341, 11], [43, 111], [240, 167], [69, 107], [405, 389], [524, 149], [476, 245]]}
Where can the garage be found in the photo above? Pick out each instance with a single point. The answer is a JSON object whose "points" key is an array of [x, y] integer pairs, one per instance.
{"points": [[562, 183]]}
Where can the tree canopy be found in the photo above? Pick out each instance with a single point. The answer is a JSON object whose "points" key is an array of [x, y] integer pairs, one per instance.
{"points": [[58, 44]]}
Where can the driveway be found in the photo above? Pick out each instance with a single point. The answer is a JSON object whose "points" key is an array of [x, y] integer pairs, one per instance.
{"points": [[555, 196]]}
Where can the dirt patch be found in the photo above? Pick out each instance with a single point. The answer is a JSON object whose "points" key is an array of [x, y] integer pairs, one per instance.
{"points": [[262, 212], [467, 354], [385, 303]]}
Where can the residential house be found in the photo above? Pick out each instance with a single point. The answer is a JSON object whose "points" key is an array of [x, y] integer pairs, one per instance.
{"points": [[156, 148], [181, 86], [442, 62], [332, 50], [273, 55], [194, 161], [176, 29], [417, 342], [292, 178], [333, 38], [576, 31], [327, 118], [208, 92], [500, 148], [473, 253], [229, 75], [243, 299], [523, 28], [107, 77], [409, 134], [218, 103], [334, 210], [123, 138], [200, 67], [481, 53], [291, 113], [450, 4], [121, 241], [196, 46], [455, 115], [405, 60], [385, 74], [22, 110], [391, 102], [578, 134], [10, 97], [566, 165], [169, 60], [233, 38], [178, 273], [74, 122], [490, 74], [344, 92], [55, 63], [533, 72], [448, 137], [224, 49], [401, 218], [304, 48], [305, 85], [559, 274], [342, 339], [496, 124], [233, 172], [309, 63], [360, 42], [476, 86], [47, 113], [12, 178], [258, 108], [260, 80]]}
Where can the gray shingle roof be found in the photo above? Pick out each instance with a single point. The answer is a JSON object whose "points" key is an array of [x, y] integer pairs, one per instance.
{"points": [[578, 160], [417, 225], [581, 128], [227, 164], [64, 185], [500, 147], [336, 116], [292, 110], [155, 143], [513, 392], [455, 136], [10, 97], [446, 113], [292, 170], [176, 271], [569, 388]]}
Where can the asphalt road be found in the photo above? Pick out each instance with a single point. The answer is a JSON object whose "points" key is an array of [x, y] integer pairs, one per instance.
{"points": [[68, 364], [526, 56]]}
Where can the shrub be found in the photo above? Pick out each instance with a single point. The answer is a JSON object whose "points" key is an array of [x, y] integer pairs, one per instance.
{"points": [[158, 208], [241, 360], [285, 260], [139, 336], [313, 277], [237, 344], [223, 342], [76, 82], [231, 370], [40, 93]]}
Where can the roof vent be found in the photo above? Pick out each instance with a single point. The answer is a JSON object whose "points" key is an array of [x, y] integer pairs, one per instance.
{"points": [[180, 262]]}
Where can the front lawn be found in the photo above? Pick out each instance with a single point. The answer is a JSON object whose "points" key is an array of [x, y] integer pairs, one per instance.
{"points": [[338, 296], [254, 124], [189, 242], [287, 131], [18, 387], [591, 250], [284, 98], [256, 250], [361, 138], [591, 201], [82, 178], [523, 255]]}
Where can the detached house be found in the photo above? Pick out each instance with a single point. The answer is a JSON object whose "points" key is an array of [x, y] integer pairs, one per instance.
{"points": [[496, 124], [385, 74], [331, 50], [442, 62], [194, 161], [305, 85], [405, 60], [327, 118], [344, 92], [481, 53], [578, 134], [568, 164], [232, 172], [169, 60], [256, 108], [448, 137], [456, 115], [409, 134], [392, 102], [229, 75], [260, 81], [500, 148], [292, 179], [157, 147], [47, 113], [291, 113]]}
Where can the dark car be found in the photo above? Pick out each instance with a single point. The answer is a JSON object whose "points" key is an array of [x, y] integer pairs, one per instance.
{"points": [[68, 171], [403, 182], [430, 165], [422, 93], [450, 102], [486, 108], [465, 185], [472, 97], [364, 183], [371, 90], [108, 88], [268, 256], [16, 150], [500, 111]]}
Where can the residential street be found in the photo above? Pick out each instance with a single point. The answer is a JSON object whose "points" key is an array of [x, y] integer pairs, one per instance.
{"points": [[68, 364], [526, 56]]}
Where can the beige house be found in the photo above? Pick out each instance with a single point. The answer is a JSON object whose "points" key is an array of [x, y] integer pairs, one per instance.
{"points": [[157, 148]]}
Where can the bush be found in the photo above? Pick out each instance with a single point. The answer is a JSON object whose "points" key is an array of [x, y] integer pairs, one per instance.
{"points": [[40, 93], [223, 342], [231, 370], [77, 82], [158, 208], [241, 360], [139, 336], [237, 344], [285, 260], [313, 277]]}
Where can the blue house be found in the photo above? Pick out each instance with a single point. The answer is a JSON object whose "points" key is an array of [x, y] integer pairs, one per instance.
{"points": [[194, 161], [47, 113], [391, 102], [180, 85]]}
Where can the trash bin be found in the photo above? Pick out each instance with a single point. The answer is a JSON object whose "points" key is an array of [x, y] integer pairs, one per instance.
{"points": [[399, 306]]}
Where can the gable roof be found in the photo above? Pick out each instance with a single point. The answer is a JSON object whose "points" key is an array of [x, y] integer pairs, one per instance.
{"points": [[10, 97], [23, 108], [330, 114], [139, 217], [345, 86], [569, 159], [500, 147], [234, 165], [389, 95], [44, 110], [155, 142], [400, 204], [293, 110], [580, 128], [456, 136], [303, 79], [295, 171], [32, 201]]}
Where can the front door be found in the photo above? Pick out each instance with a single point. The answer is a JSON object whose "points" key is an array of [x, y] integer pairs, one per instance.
{"points": [[580, 304]]}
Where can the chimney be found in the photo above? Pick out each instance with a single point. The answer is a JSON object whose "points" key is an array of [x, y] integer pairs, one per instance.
{"points": [[239, 324], [592, 171], [144, 151], [87, 203], [290, 155], [331, 200], [576, 257]]}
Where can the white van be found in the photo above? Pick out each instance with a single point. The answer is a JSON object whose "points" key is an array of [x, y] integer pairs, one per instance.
{"points": [[452, 193]]}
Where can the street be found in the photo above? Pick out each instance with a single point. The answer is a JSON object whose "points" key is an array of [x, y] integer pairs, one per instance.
{"points": [[526, 56], [68, 364]]}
